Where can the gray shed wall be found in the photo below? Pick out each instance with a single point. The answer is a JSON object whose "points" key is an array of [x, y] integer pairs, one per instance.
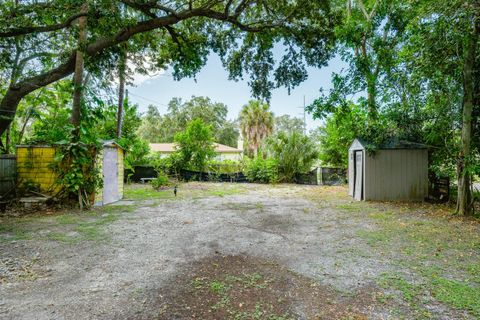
{"points": [[397, 175]]}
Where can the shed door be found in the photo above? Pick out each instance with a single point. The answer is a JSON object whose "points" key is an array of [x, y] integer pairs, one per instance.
{"points": [[358, 187], [351, 172], [110, 175]]}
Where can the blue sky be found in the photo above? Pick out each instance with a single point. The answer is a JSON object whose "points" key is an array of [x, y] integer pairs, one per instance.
{"points": [[213, 82]]}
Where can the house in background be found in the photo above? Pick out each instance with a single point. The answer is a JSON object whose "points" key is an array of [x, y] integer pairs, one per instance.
{"points": [[223, 152], [396, 171]]}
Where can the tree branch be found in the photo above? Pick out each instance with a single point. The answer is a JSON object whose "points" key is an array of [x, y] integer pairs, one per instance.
{"points": [[16, 92], [40, 29]]}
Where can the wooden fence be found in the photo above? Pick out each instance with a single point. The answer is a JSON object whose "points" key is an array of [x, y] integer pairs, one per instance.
{"points": [[7, 173]]}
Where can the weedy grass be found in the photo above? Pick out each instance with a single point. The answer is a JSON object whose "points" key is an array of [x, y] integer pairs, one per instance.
{"points": [[190, 190], [69, 227], [441, 254], [146, 192]]}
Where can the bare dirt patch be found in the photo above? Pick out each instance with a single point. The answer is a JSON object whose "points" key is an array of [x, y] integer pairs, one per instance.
{"points": [[243, 287]]}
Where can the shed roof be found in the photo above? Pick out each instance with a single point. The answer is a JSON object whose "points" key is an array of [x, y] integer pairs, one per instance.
{"points": [[171, 147], [393, 143], [111, 143]]}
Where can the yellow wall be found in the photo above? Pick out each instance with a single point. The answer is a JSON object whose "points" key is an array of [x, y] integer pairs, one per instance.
{"points": [[34, 165]]}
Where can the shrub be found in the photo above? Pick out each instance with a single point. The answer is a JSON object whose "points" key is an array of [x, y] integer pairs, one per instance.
{"points": [[195, 145], [294, 153], [224, 167], [262, 170], [160, 181], [170, 165]]}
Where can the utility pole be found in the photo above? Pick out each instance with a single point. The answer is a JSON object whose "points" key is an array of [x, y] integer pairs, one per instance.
{"points": [[304, 117]]}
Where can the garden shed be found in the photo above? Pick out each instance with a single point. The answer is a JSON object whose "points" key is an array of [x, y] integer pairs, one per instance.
{"points": [[35, 168], [396, 171]]}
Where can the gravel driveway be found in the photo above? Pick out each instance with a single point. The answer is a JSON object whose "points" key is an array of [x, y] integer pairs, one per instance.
{"points": [[136, 260]]}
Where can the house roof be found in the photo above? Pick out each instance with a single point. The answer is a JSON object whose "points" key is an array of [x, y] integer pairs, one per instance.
{"points": [[171, 147], [394, 143]]}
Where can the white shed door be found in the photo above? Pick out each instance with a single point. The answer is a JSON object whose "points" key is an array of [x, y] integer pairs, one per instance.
{"points": [[110, 175], [358, 187], [351, 172]]}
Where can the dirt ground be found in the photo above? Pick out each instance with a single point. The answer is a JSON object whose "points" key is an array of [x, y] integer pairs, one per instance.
{"points": [[230, 251]]}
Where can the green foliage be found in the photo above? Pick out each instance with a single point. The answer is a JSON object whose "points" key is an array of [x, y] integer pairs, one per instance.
{"points": [[195, 146], [78, 174], [138, 152], [256, 123], [294, 153], [287, 124], [162, 128], [224, 167], [347, 122], [160, 181], [170, 165], [262, 170]]}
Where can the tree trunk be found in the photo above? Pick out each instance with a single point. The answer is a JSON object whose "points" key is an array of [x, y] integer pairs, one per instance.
{"points": [[371, 94], [16, 92], [464, 197], [7, 139], [24, 126], [121, 90], [78, 76]]}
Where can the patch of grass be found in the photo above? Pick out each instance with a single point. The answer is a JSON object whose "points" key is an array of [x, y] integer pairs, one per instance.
{"points": [[61, 237], [115, 209], [375, 238], [474, 271], [14, 232], [224, 190], [457, 294], [245, 206], [349, 207], [146, 192], [93, 230], [66, 219], [384, 216], [393, 281], [218, 287], [190, 190], [250, 280]]}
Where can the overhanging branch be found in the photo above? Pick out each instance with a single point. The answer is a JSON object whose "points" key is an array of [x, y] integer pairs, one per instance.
{"points": [[40, 29]]}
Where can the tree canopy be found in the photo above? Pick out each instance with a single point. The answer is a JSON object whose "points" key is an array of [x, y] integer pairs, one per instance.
{"points": [[39, 41], [413, 72], [162, 128]]}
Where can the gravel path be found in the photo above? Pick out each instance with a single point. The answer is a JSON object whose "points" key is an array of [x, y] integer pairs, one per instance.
{"points": [[150, 246]]}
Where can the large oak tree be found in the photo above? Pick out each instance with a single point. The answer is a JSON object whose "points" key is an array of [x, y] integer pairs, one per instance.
{"points": [[39, 41]]}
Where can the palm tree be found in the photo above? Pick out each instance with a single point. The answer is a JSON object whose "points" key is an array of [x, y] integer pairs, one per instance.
{"points": [[256, 123]]}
